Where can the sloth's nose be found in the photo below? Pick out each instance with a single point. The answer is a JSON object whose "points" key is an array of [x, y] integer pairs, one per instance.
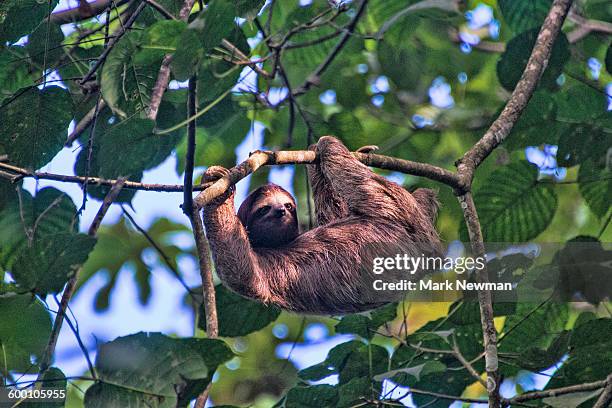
{"points": [[279, 211]]}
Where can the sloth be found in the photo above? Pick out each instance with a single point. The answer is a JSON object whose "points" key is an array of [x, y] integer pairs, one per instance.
{"points": [[260, 254]]}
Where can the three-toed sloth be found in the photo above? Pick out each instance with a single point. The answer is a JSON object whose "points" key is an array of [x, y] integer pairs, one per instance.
{"points": [[260, 254]]}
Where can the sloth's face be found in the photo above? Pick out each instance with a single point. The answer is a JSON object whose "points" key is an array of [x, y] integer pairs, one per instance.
{"points": [[272, 221]]}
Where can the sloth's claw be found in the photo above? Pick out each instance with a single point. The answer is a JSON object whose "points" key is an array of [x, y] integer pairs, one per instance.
{"points": [[367, 149], [214, 173]]}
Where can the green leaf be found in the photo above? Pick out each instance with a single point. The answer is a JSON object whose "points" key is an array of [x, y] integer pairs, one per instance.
{"points": [[365, 324], [512, 205], [595, 183], [46, 265], [159, 39], [45, 44], [126, 148], [401, 375], [154, 370], [20, 17], [535, 325], [591, 104], [315, 396], [589, 357], [580, 143], [353, 392], [239, 316], [33, 127], [347, 127], [248, 8], [571, 400], [513, 61], [24, 329], [13, 72], [52, 379], [537, 123], [522, 15], [188, 54], [126, 82], [28, 220], [215, 24]]}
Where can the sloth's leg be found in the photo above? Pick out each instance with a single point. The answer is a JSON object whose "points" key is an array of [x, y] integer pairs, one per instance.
{"points": [[363, 191], [329, 206]]}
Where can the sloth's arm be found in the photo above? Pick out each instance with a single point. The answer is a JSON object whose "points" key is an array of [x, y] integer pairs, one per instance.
{"points": [[235, 261]]}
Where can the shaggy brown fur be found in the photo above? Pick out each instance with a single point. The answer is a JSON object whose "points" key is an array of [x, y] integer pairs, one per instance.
{"points": [[327, 270]]}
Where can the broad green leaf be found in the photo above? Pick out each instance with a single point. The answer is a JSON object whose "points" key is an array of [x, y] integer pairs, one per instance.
{"points": [[533, 324], [159, 39], [13, 72], [592, 104], [609, 60], [582, 142], [571, 400], [28, 220], [537, 123], [522, 15], [423, 8], [188, 54], [215, 24], [248, 8], [46, 265], [589, 357], [314, 396], [239, 316], [514, 60], [512, 205], [125, 82], [126, 148], [25, 327], [45, 45], [20, 17], [52, 379], [347, 127], [365, 324], [353, 392], [153, 369], [33, 127], [430, 367], [595, 183]]}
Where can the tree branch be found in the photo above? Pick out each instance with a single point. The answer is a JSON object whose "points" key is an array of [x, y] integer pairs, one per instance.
{"points": [[501, 127], [466, 166], [14, 173], [564, 390]]}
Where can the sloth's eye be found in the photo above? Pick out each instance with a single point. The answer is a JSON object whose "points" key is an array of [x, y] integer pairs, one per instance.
{"points": [[263, 210], [289, 206]]}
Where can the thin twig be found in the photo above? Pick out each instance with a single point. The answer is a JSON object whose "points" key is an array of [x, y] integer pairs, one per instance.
{"points": [[555, 392]]}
